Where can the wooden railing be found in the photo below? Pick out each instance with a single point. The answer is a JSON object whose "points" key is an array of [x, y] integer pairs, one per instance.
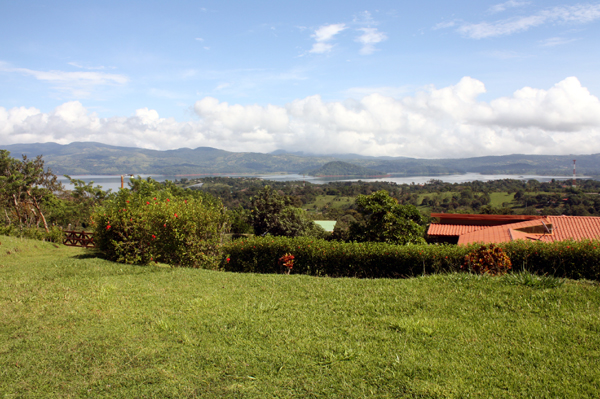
{"points": [[79, 239]]}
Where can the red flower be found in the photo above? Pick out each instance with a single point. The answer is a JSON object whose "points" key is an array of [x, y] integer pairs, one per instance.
{"points": [[147, 203], [168, 200], [228, 260], [128, 202], [165, 225], [153, 236], [154, 198], [175, 215], [108, 227]]}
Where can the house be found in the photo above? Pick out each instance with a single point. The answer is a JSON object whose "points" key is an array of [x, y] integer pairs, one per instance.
{"points": [[469, 229]]}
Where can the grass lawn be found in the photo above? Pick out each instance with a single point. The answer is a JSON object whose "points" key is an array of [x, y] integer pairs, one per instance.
{"points": [[73, 325]]}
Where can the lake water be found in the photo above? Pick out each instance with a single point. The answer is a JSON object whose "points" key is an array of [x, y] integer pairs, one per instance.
{"points": [[114, 182]]}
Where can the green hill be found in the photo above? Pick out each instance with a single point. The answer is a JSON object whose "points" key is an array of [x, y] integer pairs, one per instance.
{"points": [[343, 169], [95, 158]]}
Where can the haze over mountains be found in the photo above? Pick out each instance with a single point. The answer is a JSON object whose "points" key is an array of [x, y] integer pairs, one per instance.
{"points": [[81, 158]]}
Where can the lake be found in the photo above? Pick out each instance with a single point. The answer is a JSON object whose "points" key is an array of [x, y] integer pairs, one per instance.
{"points": [[114, 182]]}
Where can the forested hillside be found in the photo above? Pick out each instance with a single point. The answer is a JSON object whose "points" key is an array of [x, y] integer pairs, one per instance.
{"points": [[343, 169], [96, 158]]}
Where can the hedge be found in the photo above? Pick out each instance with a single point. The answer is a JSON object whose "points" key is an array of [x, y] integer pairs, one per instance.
{"points": [[377, 260]]}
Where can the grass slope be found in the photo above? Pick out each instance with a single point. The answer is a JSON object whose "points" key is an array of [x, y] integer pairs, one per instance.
{"points": [[72, 325]]}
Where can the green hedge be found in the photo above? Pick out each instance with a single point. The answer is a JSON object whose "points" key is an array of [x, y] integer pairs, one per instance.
{"points": [[377, 260]]}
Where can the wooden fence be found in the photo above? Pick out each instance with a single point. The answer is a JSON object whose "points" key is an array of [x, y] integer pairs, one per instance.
{"points": [[79, 239]]}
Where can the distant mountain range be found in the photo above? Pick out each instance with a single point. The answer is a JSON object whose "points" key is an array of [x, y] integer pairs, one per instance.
{"points": [[343, 169], [84, 158]]}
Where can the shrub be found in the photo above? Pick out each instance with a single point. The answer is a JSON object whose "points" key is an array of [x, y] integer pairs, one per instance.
{"points": [[487, 259], [55, 234], [337, 259], [377, 260], [571, 259], [135, 229]]}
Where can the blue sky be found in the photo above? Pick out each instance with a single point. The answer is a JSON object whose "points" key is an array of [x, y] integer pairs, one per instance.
{"points": [[424, 79]]}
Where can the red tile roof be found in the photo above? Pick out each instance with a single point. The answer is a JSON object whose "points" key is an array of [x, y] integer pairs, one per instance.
{"points": [[548, 229], [437, 229], [574, 228]]}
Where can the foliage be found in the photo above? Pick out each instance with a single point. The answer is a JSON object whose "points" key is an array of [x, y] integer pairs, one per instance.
{"points": [[150, 223], [274, 214], [24, 185], [75, 207], [287, 262], [571, 259], [337, 259], [239, 220], [376, 260], [487, 259], [387, 221], [54, 233]]}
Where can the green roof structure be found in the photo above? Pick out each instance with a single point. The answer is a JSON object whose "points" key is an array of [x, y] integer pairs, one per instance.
{"points": [[327, 225]]}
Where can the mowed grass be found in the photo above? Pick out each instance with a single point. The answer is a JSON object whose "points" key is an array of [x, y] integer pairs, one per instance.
{"points": [[73, 325]]}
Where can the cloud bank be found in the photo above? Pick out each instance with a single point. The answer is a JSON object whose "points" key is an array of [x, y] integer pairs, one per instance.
{"points": [[432, 123]]}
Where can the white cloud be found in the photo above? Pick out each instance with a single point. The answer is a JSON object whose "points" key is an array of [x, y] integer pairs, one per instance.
{"points": [[444, 25], [556, 41], [81, 66], [324, 34], [83, 78], [78, 83], [506, 5], [369, 38], [579, 14], [388, 91], [432, 123], [364, 18]]}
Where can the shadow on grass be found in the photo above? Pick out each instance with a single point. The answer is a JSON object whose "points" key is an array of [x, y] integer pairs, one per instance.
{"points": [[90, 254]]}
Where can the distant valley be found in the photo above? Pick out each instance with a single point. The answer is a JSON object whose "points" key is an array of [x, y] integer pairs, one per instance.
{"points": [[83, 158]]}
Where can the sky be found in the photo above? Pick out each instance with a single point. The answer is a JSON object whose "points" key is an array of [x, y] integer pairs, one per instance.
{"points": [[427, 79]]}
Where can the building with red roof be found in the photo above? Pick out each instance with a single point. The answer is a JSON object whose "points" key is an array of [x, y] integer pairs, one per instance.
{"points": [[469, 229]]}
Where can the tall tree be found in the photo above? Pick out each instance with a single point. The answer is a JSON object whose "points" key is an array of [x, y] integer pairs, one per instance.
{"points": [[387, 221], [24, 185], [273, 213]]}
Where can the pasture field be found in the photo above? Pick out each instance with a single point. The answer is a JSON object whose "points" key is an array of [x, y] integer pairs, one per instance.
{"points": [[330, 201], [497, 199], [75, 325]]}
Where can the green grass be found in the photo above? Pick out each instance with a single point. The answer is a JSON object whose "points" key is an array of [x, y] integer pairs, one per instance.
{"points": [[73, 325], [497, 199], [329, 201]]}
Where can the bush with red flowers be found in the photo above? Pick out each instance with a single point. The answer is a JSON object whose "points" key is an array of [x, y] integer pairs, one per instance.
{"points": [[137, 227]]}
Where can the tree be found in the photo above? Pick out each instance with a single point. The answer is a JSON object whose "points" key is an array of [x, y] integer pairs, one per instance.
{"points": [[82, 200], [387, 221], [24, 185], [273, 213]]}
